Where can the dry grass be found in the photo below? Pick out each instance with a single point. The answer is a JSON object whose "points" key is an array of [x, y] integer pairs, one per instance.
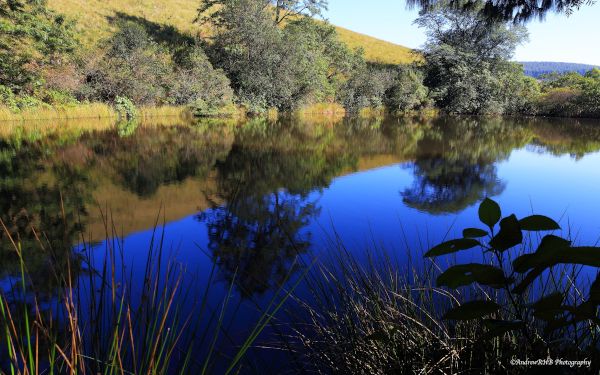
{"points": [[94, 18], [87, 111], [93, 110], [377, 50]]}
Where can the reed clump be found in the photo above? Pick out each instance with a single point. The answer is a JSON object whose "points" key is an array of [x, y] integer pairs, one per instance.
{"points": [[527, 299], [101, 318]]}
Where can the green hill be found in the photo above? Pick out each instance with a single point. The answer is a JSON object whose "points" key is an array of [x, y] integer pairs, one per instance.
{"points": [[96, 20]]}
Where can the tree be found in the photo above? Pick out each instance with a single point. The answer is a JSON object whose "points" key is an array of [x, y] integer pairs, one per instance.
{"points": [[467, 65], [210, 11], [282, 66], [505, 10]]}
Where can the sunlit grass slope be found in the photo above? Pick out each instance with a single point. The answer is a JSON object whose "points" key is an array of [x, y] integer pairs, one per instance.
{"points": [[96, 20], [377, 50]]}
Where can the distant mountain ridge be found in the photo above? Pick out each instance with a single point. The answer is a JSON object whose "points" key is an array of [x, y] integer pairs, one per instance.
{"points": [[536, 69]]}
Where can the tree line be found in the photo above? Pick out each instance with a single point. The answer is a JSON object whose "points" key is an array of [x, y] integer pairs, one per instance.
{"points": [[264, 54]]}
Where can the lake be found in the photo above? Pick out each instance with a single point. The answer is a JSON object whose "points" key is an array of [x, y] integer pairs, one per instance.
{"points": [[249, 198]]}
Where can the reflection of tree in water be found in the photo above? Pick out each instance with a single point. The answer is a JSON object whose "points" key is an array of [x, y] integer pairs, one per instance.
{"points": [[266, 184], [443, 186], [258, 237], [154, 156], [576, 137], [42, 207], [455, 167]]}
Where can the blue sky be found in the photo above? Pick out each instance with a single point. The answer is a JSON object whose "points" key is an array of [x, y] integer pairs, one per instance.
{"points": [[558, 38]]}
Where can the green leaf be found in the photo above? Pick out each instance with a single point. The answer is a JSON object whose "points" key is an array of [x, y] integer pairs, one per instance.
{"points": [[584, 256], [489, 212], [510, 234], [538, 223], [548, 307], [499, 327], [595, 290], [466, 274], [474, 233], [472, 310], [452, 246], [546, 255], [554, 250]]}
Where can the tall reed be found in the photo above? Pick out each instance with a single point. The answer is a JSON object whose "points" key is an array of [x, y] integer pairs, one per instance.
{"points": [[376, 314], [103, 319]]}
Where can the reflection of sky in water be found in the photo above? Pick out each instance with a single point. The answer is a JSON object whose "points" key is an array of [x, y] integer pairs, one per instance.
{"points": [[366, 208]]}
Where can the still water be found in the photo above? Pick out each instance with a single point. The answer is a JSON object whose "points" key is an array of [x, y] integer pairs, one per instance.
{"points": [[250, 197]]}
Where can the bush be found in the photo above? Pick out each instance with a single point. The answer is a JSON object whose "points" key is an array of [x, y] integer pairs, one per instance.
{"points": [[59, 98], [195, 80], [125, 108], [8, 98], [524, 298], [366, 88], [408, 93], [134, 66]]}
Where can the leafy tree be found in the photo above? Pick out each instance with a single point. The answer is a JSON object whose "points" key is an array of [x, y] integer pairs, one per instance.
{"points": [[408, 92], [506, 10], [571, 94], [133, 67], [271, 66], [466, 62], [137, 67], [196, 80], [367, 87], [211, 11]]}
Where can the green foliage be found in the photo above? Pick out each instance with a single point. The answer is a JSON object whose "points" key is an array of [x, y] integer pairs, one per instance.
{"points": [[272, 66], [466, 62], [195, 80], [513, 275], [8, 98], [137, 67], [32, 38], [133, 67], [408, 92], [507, 10], [400, 88], [571, 94], [59, 98], [125, 108]]}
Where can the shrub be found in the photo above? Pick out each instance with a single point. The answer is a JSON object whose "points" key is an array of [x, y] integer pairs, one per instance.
{"points": [[134, 66], [196, 80], [366, 88], [531, 298], [8, 99], [407, 92], [59, 98], [125, 108]]}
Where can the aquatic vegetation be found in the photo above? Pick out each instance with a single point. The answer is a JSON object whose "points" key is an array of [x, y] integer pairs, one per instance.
{"points": [[107, 320]]}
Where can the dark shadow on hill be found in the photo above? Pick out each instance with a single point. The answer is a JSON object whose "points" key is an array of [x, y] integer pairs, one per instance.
{"points": [[166, 35]]}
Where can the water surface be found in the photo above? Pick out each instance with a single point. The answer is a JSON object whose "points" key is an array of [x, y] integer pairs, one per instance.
{"points": [[251, 197]]}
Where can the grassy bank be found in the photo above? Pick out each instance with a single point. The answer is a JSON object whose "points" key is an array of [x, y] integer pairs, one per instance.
{"points": [[85, 111]]}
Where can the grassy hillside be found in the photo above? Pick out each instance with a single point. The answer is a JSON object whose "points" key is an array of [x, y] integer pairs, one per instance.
{"points": [[377, 50], [96, 20]]}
